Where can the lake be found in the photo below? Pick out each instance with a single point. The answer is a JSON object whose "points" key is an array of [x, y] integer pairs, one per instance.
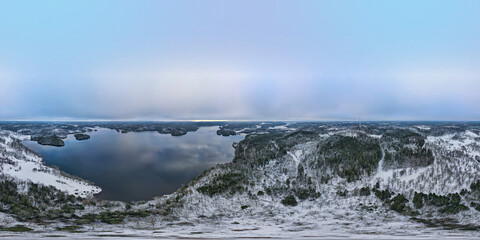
{"points": [[139, 165]]}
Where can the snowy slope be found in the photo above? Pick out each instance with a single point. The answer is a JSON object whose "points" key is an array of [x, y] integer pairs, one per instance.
{"points": [[24, 165], [453, 169]]}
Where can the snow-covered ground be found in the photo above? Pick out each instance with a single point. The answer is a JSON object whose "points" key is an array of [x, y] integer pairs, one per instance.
{"points": [[329, 216], [295, 227]]}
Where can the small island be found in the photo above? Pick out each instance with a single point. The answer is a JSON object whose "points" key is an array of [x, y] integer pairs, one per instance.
{"points": [[226, 132], [49, 140], [81, 136], [178, 132]]}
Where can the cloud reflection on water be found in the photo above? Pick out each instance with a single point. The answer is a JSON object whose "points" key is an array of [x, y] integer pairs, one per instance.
{"points": [[139, 166]]}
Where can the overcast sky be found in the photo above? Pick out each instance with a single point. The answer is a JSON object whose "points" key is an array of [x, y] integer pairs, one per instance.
{"points": [[289, 60]]}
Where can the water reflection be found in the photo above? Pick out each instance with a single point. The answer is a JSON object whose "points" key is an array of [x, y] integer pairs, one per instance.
{"points": [[139, 166]]}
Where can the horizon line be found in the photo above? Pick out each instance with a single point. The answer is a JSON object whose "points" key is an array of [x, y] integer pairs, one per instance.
{"points": [[223, 120]]}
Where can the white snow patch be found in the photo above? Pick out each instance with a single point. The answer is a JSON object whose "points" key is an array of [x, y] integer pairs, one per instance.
{"points": [[423, 127]]}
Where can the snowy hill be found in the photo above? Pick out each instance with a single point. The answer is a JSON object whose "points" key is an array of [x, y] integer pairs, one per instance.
{"points": [[343, 173]]}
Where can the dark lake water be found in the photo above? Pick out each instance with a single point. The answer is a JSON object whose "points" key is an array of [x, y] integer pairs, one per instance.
{"points": [[139, 165]]}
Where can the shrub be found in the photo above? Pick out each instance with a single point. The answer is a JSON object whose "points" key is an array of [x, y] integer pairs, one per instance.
{"points": [[450, 203], [17, 228], [343, 193], [399, 203], [475, 186], [475, 205], [304, 194], [110, 217], [453, 209], [69, 228], [226, 182], [289, 201], [365, 191], [418, 200], [384, 195], [324, 179]]}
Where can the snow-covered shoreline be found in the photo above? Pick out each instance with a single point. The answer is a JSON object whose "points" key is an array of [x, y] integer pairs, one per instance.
{"points": [[24, 165]]}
